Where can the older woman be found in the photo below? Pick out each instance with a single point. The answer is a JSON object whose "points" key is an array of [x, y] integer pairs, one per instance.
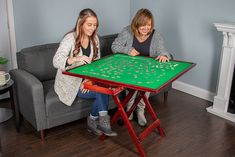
{"points": [[140, 38]]}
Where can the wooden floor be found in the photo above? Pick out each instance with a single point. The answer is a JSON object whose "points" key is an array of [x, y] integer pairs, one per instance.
{"points": [[190, 132]]}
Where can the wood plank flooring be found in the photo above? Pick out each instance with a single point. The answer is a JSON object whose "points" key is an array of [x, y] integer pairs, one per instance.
{"points": [[190, 132]]}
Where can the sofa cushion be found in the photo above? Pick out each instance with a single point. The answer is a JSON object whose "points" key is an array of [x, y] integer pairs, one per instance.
{"points": [[55, 108], [37, 60]]}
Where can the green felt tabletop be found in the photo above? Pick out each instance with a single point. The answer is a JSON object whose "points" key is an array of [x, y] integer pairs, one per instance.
{"points": [[137, 71]]}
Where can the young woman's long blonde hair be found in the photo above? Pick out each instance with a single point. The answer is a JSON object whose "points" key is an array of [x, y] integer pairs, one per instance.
{"points": [[84, 14]]}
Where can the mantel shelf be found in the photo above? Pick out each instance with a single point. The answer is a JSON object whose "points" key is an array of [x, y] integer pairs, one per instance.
{"points": [[225, 27]]}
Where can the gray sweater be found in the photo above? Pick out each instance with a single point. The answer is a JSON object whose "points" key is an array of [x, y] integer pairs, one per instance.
{"points": [[123, 43]]}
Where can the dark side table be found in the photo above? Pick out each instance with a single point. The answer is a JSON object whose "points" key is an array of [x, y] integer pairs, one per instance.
{"points": [[6, 113]]}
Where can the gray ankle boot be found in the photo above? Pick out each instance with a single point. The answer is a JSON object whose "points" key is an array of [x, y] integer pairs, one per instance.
{"points": [[92, 126], [104, 126]]}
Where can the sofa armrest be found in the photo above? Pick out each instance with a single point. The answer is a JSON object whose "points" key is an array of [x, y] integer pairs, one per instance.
{"points": [[30, 97]]}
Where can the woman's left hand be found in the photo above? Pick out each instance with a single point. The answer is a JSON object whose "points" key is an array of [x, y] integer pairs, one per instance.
{"points": [[162, 59]]}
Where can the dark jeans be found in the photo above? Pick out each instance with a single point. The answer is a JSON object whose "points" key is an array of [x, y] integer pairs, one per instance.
{"points": [[100, 103]]}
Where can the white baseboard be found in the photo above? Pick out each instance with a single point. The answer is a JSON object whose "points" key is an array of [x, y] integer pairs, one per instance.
{"points": [[193, 90], [221, 113]]}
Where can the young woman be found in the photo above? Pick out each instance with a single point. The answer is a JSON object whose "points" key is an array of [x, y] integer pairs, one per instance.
{"points": [[81, 46], [140, 38]]}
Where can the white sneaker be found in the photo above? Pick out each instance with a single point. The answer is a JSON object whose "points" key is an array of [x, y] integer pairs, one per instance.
{"points": [[141, 117]]}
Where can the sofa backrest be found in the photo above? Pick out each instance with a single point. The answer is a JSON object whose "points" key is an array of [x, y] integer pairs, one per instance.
{"points": [[37, 60], [106, 43]]}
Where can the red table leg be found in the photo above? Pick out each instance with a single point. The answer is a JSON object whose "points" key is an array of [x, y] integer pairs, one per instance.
{"points": [[129, 126], [126, 100], [124, 115], [153, 114]]}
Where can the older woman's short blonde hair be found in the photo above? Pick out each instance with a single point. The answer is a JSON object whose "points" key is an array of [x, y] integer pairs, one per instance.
{"points": [[141, 18]]}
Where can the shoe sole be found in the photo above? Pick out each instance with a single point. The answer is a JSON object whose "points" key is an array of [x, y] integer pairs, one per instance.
{"points": [[107, 134], [142, 125], [93, 132], [111, 134]]}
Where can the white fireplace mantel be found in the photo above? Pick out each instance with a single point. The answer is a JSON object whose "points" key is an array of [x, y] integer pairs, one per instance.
{"points": [[227, 62]]}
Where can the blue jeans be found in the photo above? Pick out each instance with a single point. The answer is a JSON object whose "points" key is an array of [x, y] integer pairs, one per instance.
{"points": [[100, 103]]}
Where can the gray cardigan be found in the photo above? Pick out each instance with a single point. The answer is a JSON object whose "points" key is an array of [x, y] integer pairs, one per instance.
{"points": [[123, 43]]}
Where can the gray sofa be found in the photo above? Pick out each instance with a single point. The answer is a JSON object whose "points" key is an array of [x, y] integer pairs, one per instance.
{"points": [[36, 100]]}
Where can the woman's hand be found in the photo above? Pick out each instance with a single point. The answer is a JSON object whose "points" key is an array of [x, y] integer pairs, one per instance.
{"points": [[134, 52], [84, 59], [82, 89], [162, 58]]}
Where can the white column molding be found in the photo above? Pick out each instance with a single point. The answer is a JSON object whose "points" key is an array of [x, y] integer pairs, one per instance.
{"points": [[225, 39], [11, 27], [227, 62], [231, 40]]}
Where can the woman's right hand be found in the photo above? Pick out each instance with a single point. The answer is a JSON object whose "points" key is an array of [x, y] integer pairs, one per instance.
{"points": [[84, 59], [134, 52]]}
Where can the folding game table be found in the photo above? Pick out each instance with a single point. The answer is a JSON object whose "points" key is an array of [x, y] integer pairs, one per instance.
{"points": [[115, 73]]}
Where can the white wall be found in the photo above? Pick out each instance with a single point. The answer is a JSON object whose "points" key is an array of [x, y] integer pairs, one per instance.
{"points": [[189, 33], [46, 21], [186, 25]]}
